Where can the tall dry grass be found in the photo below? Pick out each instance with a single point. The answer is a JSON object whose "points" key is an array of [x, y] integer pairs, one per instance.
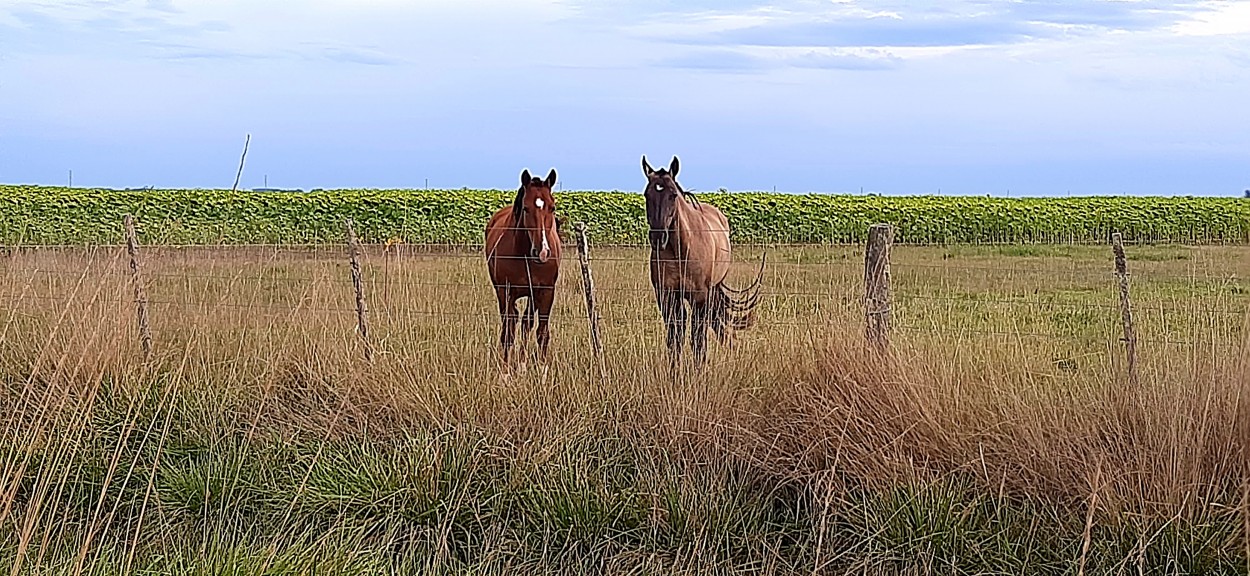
{"points": [[999, 436]]}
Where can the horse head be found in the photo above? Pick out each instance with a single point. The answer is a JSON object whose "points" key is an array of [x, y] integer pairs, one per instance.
{"points": [[662, 195], [534, 212]]}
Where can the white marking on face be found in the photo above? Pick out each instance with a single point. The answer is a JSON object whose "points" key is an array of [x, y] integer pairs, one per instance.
{"points": [[538, 202], [546, 247], [659, 187]]}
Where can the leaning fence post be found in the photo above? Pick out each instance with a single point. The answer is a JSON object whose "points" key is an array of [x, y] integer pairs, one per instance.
{"points": [[141, 295], [362, 318], [588, 285], [1126, 308], [877, 285]]}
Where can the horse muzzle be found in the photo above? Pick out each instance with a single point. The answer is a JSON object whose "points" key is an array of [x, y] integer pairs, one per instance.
{"points": [[659, 238], [542, 252]]}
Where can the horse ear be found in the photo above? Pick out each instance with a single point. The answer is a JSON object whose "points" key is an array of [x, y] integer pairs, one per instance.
{"points": [[551, 179], [646, 168], [672, 167], [525, 177]]}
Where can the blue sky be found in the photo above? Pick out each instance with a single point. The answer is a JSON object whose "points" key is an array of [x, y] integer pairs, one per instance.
{"points": [[962, 96]]}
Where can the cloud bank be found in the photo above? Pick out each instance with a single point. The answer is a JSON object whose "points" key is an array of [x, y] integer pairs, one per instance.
{"points": [[970, 96]]}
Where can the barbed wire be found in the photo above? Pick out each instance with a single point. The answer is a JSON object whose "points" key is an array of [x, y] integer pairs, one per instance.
{"points": [[474, 249], [246, 287], [1113, 339], [573, 317], [646, 292], [380, 276], [638, 311], [790, 295], [567, 235]]}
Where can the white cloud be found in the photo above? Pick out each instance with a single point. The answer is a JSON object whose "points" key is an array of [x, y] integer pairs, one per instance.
{"points": [[1218, 19]]}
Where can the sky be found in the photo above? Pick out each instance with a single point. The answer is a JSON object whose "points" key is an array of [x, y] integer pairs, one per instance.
{"points": [[967, 97]]}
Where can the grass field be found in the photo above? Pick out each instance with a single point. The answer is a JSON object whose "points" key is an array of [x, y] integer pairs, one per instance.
{"points": [[1000, 437]]}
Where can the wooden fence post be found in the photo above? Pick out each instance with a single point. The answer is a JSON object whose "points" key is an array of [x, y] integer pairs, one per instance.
{"points": [[141, 295], [1126, 308], [362, 311], [588, 285], [877, 285]]}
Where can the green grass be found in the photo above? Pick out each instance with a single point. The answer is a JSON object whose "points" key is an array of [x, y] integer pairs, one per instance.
{"points": [[447, 503]]}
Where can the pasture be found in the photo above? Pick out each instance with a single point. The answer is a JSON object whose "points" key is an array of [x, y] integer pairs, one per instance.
{"points": [[1000, 436]]}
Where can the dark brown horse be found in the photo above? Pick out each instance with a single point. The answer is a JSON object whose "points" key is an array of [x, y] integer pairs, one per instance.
{"points": [[690, 258], [523, 258]]}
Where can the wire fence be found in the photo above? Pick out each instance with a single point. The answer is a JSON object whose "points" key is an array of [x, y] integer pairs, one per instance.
{"points": [[1066, 294]]}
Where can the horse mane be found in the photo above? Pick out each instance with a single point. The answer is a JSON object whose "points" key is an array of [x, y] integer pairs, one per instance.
{"points": [[688, 195]]}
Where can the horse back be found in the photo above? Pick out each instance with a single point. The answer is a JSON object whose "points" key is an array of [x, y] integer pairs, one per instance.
{"points": [[715, 241]]}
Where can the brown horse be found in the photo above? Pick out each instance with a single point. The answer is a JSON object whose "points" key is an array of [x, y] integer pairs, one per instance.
{"points": [[690, 257], [523, 259]]}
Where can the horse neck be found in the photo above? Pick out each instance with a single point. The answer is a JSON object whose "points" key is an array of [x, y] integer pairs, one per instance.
{"points": [[685, 225], [518, 235]]}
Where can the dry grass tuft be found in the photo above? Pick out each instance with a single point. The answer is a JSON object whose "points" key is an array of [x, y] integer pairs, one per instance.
{"points": [[999, 435]]}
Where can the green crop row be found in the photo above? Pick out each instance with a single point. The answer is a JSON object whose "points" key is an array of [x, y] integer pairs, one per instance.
{"points": [[56, 215]]}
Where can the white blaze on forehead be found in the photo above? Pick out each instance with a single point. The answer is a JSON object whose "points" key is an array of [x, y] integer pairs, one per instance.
{"points": [[538, 202]]}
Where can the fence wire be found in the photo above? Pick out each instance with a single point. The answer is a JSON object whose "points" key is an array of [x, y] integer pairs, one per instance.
{"points": [[1184, 297]]}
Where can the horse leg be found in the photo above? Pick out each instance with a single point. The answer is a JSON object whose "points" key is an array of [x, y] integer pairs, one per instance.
{"points": [[544, 299], [508, 318], [698, 331], [674, 312], [523, 352], [527, 325], [717, 316]]}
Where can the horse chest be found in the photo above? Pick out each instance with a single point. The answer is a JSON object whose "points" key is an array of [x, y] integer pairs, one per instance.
{"points": [[671, 272], [524, 271]]}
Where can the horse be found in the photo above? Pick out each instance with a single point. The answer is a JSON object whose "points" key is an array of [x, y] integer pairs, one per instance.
{"points": [[523, 259], [690, 258]]}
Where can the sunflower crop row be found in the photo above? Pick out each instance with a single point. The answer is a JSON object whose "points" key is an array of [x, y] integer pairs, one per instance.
{"points": [[58, 215]]}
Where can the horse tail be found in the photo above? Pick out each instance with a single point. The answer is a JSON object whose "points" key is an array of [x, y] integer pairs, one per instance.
{"points": [[733, 308]]}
